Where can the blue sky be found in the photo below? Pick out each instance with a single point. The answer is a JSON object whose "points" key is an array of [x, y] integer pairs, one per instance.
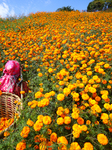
{"points": [[25, 7]]}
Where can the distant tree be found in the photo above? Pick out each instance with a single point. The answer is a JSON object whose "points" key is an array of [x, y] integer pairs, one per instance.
{"points": [[68, 8], [99, 5]]}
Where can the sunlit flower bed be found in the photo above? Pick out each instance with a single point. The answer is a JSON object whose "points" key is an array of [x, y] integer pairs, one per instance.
{"points": [[66, 58]]}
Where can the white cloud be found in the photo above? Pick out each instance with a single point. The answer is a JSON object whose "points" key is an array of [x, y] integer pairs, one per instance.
{"points": [[5, 11]]}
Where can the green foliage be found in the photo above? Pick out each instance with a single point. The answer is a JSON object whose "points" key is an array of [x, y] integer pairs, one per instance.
{"points": [[98, 5], [68, 8]]}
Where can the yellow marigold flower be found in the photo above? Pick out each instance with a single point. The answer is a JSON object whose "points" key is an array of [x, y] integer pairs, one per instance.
{"points": [[92, 90], [46, 120], [106, 66], [107, 106], [60, 121], [30, 122], [84, 128], [30, 103], [95, 77], [53, 137], [104, 92], [75, 95], [104, 96], [102, 139], [88, 146], [67, 120], [21, 146], [75, 146], [81, 85], [52, 93], [38, 94], [33, 105], [91, 81], [62, 140], [75, 115], [104, 116], [110, 116], [60, 97], [50, 70], [89, 73], [85, 96], [66, 91]]}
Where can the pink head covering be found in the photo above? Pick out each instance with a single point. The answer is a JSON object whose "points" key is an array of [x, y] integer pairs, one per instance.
{"points": [[10, 75], [12, 67]]}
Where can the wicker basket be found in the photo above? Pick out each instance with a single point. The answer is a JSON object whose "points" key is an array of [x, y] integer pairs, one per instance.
{"points": [[8, 108]]}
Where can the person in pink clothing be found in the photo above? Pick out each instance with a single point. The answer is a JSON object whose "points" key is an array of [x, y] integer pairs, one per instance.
{"points": [[11, 74]]}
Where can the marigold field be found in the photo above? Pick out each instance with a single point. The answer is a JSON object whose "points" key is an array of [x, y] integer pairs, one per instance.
{"points": [[67, 62]]}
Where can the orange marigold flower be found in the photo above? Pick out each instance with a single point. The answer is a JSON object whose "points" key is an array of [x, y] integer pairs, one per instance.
{"points": [[21, 146], [0, 92], [24, 133], [22, 92], [66, 111], [30, 122], [47, 120], [97, 98], [60, 97], [102, 139], [110, 129], [80, 121], [104, 81], [49, 131], [37, 126], [53, 137], [38, 94], [88, 122], [6, 133], [36, 147], [40, 74]]}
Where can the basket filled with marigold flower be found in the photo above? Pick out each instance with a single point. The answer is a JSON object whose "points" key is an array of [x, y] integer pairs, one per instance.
{"points": [[10, 108]]}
